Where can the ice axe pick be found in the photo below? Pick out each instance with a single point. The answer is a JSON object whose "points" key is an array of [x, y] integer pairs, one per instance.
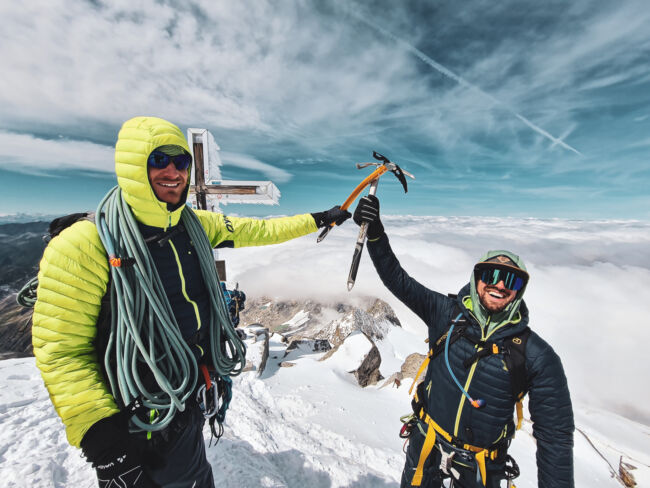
{"points": [[383, 167]]}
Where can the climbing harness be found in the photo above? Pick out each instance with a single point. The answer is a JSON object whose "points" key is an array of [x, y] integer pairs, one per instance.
{"points": [[452, 449], [145, 340], [213, 397]]}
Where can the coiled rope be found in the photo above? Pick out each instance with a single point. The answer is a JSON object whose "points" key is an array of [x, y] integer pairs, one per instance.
{"points": [[143, 326], [27, 294]]}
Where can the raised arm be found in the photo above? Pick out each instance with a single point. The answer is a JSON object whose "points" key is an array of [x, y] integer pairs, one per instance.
{"points": [[426, 303], [551, 414], [224, 231]]}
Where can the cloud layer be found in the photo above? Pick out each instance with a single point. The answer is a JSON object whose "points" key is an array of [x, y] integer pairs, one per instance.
{"points": [[587, 296]]}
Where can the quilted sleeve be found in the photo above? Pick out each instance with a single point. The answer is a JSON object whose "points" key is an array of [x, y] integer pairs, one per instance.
{"points": [[72, 280], [429, 305], [552, 415], [224, 231]]}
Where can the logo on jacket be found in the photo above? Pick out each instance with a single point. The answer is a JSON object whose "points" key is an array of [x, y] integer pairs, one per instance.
{"points": [[228, 224]]}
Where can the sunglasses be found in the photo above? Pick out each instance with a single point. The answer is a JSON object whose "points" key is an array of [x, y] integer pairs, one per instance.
{"points": [[491, 275], [160, 160]]}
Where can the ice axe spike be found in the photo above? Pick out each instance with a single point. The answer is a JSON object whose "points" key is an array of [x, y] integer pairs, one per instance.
{"points": [[385, 165]]}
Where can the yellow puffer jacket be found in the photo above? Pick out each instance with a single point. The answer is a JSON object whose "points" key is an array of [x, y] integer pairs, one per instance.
{"points": [[74, 274]]}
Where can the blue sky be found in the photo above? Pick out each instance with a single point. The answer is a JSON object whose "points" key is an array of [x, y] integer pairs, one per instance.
{"points": [[510, 108]]}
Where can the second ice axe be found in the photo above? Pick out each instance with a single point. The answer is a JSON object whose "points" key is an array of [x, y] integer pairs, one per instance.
{"points": [[385, 165]]}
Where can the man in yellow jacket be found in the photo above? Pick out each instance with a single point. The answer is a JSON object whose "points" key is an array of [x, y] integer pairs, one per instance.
{"points": [[152, 163]]}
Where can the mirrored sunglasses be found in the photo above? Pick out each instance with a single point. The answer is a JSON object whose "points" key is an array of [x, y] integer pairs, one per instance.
{"points": [[161, 160], [491, 275]]}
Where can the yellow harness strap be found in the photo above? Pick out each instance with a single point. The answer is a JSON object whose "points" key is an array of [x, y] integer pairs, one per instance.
{"points": [[427, 447], [422, 368], [520, 413], [480, 453], [480, 460]]}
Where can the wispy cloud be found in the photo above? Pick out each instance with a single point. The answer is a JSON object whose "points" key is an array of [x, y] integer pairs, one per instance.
{"points": [[29, 154], [248, 162], [453, 92]]}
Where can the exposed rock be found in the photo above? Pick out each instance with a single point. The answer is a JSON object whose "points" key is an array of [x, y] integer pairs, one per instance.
{"points": [[286, 364], [312, 320], [309, 345], [355, 320], [382, 311], [257, 345], [15, 329], [408, 370], [411, 365], [357, 355], [368, 373]]}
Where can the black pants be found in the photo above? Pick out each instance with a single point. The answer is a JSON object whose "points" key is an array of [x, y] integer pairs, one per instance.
{"points": [[433, 476], [176, 457]]}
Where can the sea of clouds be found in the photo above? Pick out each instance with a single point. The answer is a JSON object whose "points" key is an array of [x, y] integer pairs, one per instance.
{"points": [[588, 294]]}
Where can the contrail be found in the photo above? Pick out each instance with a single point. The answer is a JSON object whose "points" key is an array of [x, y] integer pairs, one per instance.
{"points": [[461, 81], [565, 134]]}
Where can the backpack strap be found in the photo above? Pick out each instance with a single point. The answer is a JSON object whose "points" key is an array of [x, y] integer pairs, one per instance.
{"points": [[515, 359]]}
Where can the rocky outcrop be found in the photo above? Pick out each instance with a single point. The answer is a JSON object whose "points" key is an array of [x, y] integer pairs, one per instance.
{"points": [[409, 369], [309, 345], [368, 372], [15, 329]]}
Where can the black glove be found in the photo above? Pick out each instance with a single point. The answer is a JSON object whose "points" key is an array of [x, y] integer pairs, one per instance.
{"points": [[332, 216], [368, 211], [116, 455]]}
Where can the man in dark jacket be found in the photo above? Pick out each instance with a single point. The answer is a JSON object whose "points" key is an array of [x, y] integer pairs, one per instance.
{"points": [[463, 410]]}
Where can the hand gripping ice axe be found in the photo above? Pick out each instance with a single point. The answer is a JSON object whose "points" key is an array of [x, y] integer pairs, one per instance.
{"points": [[371, 180]]}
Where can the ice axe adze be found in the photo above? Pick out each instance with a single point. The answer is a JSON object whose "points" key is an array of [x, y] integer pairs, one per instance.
{"points": [[383, 167]]}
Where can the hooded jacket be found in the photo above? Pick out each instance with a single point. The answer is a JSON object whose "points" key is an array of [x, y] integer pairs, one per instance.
{"points": [[549, 400], [74, 274]]}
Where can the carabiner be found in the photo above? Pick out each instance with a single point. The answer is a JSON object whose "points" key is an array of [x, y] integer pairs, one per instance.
{"points": [[208, 400]]}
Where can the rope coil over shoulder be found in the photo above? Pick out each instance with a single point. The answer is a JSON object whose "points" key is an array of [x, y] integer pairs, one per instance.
{"points": [[143, 327]]}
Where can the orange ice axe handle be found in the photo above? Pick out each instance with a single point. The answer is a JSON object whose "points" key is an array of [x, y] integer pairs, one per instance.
{"points": [[353, 196]]}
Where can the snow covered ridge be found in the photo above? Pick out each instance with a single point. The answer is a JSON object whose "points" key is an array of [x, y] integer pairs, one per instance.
{"points": [[311, 424], [347, 333]]}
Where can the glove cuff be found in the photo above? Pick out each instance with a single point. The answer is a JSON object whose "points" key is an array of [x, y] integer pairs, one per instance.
{"points": [[319, 219], [375, 230], [103, 435]]}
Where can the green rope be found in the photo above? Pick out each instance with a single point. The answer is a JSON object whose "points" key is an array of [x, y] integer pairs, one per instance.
{"points": [[27, 294], [144, 331]]}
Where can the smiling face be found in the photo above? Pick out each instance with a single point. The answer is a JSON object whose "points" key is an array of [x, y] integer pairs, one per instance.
{"points": [[494, 298], [168, 183]]}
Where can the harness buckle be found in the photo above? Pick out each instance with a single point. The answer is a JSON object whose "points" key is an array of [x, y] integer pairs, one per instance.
{"points": [[446, 463]]}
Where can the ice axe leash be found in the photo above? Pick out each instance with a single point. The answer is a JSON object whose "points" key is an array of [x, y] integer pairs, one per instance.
{"points": [[383, 167]]}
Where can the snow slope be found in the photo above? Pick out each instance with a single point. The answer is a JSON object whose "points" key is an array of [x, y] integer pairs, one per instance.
{"points": [[307, 425]]}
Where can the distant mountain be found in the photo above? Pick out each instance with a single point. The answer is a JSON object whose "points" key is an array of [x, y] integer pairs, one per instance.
{"points": [[21, 248], [24, 218]]}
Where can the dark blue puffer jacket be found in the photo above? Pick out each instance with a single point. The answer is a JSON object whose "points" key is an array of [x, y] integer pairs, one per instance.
{"points": [[549, 400]]}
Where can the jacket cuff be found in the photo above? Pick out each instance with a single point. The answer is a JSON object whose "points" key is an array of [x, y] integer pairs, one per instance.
{"points": [[103, 435]]}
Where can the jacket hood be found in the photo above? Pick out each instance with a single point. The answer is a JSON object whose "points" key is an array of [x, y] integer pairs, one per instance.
{"points": [[137, 138], [509, 313]]}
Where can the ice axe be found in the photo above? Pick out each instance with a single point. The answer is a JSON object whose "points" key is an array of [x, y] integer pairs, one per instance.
{"points": [[383, 167]]}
